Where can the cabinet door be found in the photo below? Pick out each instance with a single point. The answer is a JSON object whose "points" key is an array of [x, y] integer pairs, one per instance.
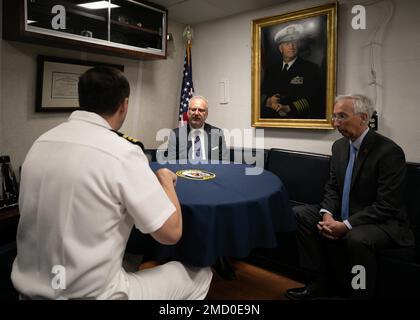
{"points": [[121, 27], [138, 25], [69, 19]]}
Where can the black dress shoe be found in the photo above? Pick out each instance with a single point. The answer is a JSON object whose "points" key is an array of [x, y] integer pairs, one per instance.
{"points": [[306, 293], [224, 269], [301, 293]]}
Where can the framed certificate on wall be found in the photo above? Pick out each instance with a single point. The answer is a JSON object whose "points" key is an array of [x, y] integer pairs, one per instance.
{"points": [[57, 85]]}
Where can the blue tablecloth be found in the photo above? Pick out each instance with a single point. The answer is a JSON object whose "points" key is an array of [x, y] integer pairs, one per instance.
{"points": [[226, 216]]}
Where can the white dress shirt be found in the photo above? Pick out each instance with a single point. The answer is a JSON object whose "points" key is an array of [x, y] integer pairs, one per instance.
{"points": [[289, 64]]}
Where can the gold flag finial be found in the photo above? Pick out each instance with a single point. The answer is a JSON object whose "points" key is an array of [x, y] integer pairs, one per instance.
{"points": [[188, 34]]}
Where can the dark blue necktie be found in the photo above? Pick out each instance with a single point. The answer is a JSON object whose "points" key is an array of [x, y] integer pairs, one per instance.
{"points": [[347, 183], [285, 67], [197, 147]]}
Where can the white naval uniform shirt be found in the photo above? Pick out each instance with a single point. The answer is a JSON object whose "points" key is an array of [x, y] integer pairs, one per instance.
{"points": [[82, 187]]}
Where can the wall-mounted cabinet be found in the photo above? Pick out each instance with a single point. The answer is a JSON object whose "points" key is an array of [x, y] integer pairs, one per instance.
{"points": [[122, 27]]}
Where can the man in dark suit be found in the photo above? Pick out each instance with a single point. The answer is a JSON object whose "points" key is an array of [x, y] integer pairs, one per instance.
{"points": [[293, 88], [197, 141], [362, 210]]}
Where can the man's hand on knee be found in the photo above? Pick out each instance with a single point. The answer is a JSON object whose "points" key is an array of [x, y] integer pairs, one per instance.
{"points": [[332, 229]]}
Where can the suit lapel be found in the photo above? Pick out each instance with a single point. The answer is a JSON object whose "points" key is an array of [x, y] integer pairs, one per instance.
{"points": [[207, 130], [362, 154], [294, 65], [189, 142]]}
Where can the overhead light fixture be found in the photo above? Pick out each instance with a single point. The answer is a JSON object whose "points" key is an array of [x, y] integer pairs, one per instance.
{"points": [[98, 5]]}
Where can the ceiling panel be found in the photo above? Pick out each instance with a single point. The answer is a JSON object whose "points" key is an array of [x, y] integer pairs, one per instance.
{"points": [[197, 11]]}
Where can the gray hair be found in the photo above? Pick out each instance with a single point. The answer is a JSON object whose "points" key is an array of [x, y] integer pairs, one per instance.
{"points": [[361, 103], [198, 97]]}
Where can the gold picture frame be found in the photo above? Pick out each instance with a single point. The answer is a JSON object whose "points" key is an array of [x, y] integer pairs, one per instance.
{"points": [[301, 96]]}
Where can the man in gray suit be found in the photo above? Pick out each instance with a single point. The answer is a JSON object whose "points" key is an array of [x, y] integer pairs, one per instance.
{"points": [[198, 140], [363, 209]]}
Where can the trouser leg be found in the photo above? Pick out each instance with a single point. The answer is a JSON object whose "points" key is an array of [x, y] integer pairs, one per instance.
{"points": [[311, 250], [170, 281], [363, 243]]}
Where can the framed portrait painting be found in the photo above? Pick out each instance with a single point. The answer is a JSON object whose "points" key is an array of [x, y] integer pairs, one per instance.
{"points": [[57, 83], [294, 69]]}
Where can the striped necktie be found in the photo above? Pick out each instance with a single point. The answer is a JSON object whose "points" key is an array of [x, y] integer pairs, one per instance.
{"points": [[197, 147]]}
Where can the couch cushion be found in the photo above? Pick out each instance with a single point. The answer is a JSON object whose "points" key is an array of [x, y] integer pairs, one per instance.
{"points": [[397, 279], [304, 174], [412, 198], [248, 155]]}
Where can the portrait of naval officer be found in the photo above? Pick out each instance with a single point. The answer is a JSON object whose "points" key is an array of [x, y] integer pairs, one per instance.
{"points": [[292, 87]]}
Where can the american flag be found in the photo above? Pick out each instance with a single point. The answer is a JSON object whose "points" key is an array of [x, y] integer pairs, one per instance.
{"points": [[187, 89]]}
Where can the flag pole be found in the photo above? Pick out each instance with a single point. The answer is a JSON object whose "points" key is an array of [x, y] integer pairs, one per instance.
{"points": [[187, 89]]}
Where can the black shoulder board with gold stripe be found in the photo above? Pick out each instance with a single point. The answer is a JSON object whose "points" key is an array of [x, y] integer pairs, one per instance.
{"points": [[130, 139]]}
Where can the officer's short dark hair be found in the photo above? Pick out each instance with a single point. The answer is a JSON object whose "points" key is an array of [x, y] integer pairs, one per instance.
{"points": [[102, 89]]}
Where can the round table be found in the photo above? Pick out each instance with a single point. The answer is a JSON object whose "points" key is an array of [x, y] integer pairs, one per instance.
{"points": [[225, 216]]}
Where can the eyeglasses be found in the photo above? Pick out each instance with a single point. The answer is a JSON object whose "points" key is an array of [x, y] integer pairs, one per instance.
{"points": [[340, 117]]}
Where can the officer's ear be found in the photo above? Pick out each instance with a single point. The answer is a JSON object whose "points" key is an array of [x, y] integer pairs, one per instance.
{"points": [[123, 108]]}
